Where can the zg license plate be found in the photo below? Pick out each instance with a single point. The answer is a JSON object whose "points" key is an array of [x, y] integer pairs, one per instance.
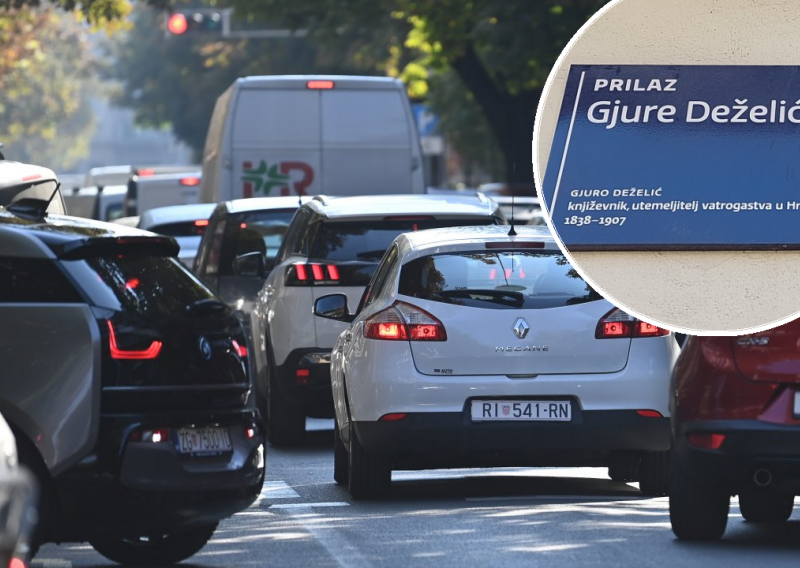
{"points": [[203, 441], [548, 410]]}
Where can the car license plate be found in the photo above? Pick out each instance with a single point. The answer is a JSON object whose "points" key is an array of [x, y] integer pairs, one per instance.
{"points": [[203, 441], [797, 403], [547, 410]]}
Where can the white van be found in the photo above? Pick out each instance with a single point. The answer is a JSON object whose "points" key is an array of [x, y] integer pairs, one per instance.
{"points": [[162, 190], [309, 135]]}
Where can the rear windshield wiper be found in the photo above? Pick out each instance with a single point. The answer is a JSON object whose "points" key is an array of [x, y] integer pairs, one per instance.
{"points": [[497, 296]]}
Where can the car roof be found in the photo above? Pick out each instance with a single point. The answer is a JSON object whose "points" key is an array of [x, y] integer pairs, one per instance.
{"points": [[17, 173], [175, 214], [457, 238], [262, 203], [38, 238], [299, 82], [395, 205]]}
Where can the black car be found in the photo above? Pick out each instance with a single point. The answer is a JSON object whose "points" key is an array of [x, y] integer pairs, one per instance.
{"points": [[126, 383]]}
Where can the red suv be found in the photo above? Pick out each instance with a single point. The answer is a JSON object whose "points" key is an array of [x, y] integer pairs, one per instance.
{"points": [[735, 404]]}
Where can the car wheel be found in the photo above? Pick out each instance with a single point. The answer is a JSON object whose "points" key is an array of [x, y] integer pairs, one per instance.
{"points": [[369, 476], [654, 474], [772, 507], [286, 422], [154, 550], [697, 511], [623, 473], [340, 457]]}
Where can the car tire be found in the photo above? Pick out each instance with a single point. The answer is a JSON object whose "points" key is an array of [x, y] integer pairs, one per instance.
{"points": [[369, 476], [623, 473], [341, 465], [154, 551], [766, 507], [285, 422], [697, 511], [654, 474]]}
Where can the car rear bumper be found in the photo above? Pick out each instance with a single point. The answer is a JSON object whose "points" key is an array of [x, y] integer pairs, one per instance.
{"points": [[749, 446], [446, 439], [305, 380], [127, 487]]}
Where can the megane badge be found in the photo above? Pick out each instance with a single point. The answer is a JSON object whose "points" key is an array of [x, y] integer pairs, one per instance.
{"points": [[205, 348], [521, 328]]}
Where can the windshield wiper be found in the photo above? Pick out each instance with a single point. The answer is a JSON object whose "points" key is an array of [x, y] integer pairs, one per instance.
{"points": [[500, 296]]}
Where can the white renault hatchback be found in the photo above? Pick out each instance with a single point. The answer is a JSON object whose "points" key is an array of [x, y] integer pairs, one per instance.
{"points": [[475, 348]]}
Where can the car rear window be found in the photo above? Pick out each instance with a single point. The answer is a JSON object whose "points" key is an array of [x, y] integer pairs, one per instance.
{"points": [[368, 240], [182, 229], [496, 280], [152, 287], [255, 231]]}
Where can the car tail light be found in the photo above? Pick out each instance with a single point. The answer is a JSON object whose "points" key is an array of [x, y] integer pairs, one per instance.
{"points": [[706, 441], [318, 84], [616, 324], [392, 417], [118, 353], [405, 322], [302, 274], [146, 172], [240, 350], [650, 413], [17, 563], [190, 181]]}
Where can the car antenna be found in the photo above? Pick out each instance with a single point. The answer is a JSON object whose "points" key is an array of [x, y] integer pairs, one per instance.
{"points": [[2, 157], [511, 231]]}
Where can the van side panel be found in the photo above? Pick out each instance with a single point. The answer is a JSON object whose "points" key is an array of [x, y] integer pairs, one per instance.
{"points": [[214, 187], [50, 384], [276, 143]]}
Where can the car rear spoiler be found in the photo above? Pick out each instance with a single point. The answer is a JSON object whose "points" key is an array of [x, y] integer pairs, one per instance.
{"points": [[93, 247]]}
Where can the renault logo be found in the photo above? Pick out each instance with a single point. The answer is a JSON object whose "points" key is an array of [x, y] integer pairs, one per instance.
{"points": [[521, 328]]}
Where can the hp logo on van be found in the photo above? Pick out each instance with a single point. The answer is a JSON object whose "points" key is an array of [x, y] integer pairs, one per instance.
{"points": [[521, 328]]}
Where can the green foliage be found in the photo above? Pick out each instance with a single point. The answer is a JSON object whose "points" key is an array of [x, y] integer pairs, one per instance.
{"points": [[45, 86], [176, 80]]}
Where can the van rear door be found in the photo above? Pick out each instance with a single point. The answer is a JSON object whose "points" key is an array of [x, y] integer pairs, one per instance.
{"points": [[276, 143], [366, 142]]}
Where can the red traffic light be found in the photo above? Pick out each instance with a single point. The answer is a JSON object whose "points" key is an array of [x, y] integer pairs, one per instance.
{"points": [[177, 24]]}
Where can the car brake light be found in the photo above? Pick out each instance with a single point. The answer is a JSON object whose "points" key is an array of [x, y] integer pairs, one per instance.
{"points": [[201, 223], [117, 353], [320, 84], [17, 563], [146, 172], [392, 417], [240, 350], [155, 436], [650, 413], [312, 273], [403, 321], [189, 181], [706, 441], [616, 324]]}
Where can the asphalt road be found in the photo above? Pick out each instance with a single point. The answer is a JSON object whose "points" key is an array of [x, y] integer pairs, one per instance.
{"points": [[505, 517]]}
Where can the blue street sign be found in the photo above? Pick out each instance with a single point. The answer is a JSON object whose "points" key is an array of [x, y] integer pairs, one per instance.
{"points": [[677, 157], [427, 122]]}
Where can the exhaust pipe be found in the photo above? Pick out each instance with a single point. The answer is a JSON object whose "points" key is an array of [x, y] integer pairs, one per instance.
{"points": [[762, 477]]}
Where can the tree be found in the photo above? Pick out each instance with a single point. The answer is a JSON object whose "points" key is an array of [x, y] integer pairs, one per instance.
{"points": [[176, 80], [501, 50], [45, 72]]}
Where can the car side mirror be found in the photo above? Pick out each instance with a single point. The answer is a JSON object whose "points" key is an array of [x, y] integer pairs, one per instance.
{"points": [[333, 306], [251, 265]]}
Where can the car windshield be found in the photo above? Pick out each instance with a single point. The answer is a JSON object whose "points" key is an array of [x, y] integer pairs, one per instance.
{"points": [[497, 280], [368, 240], [255, 231]]}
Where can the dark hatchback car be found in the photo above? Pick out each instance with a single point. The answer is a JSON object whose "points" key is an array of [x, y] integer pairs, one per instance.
{"points": [[127, 388], [735, 404]]}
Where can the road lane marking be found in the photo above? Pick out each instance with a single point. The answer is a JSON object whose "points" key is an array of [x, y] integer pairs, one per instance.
{"points": [[309, 505]]}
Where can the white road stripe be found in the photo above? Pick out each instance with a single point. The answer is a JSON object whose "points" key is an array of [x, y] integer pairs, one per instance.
{"points": [[332, 538], [581, 498], [277, 490], [309, 505]]}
